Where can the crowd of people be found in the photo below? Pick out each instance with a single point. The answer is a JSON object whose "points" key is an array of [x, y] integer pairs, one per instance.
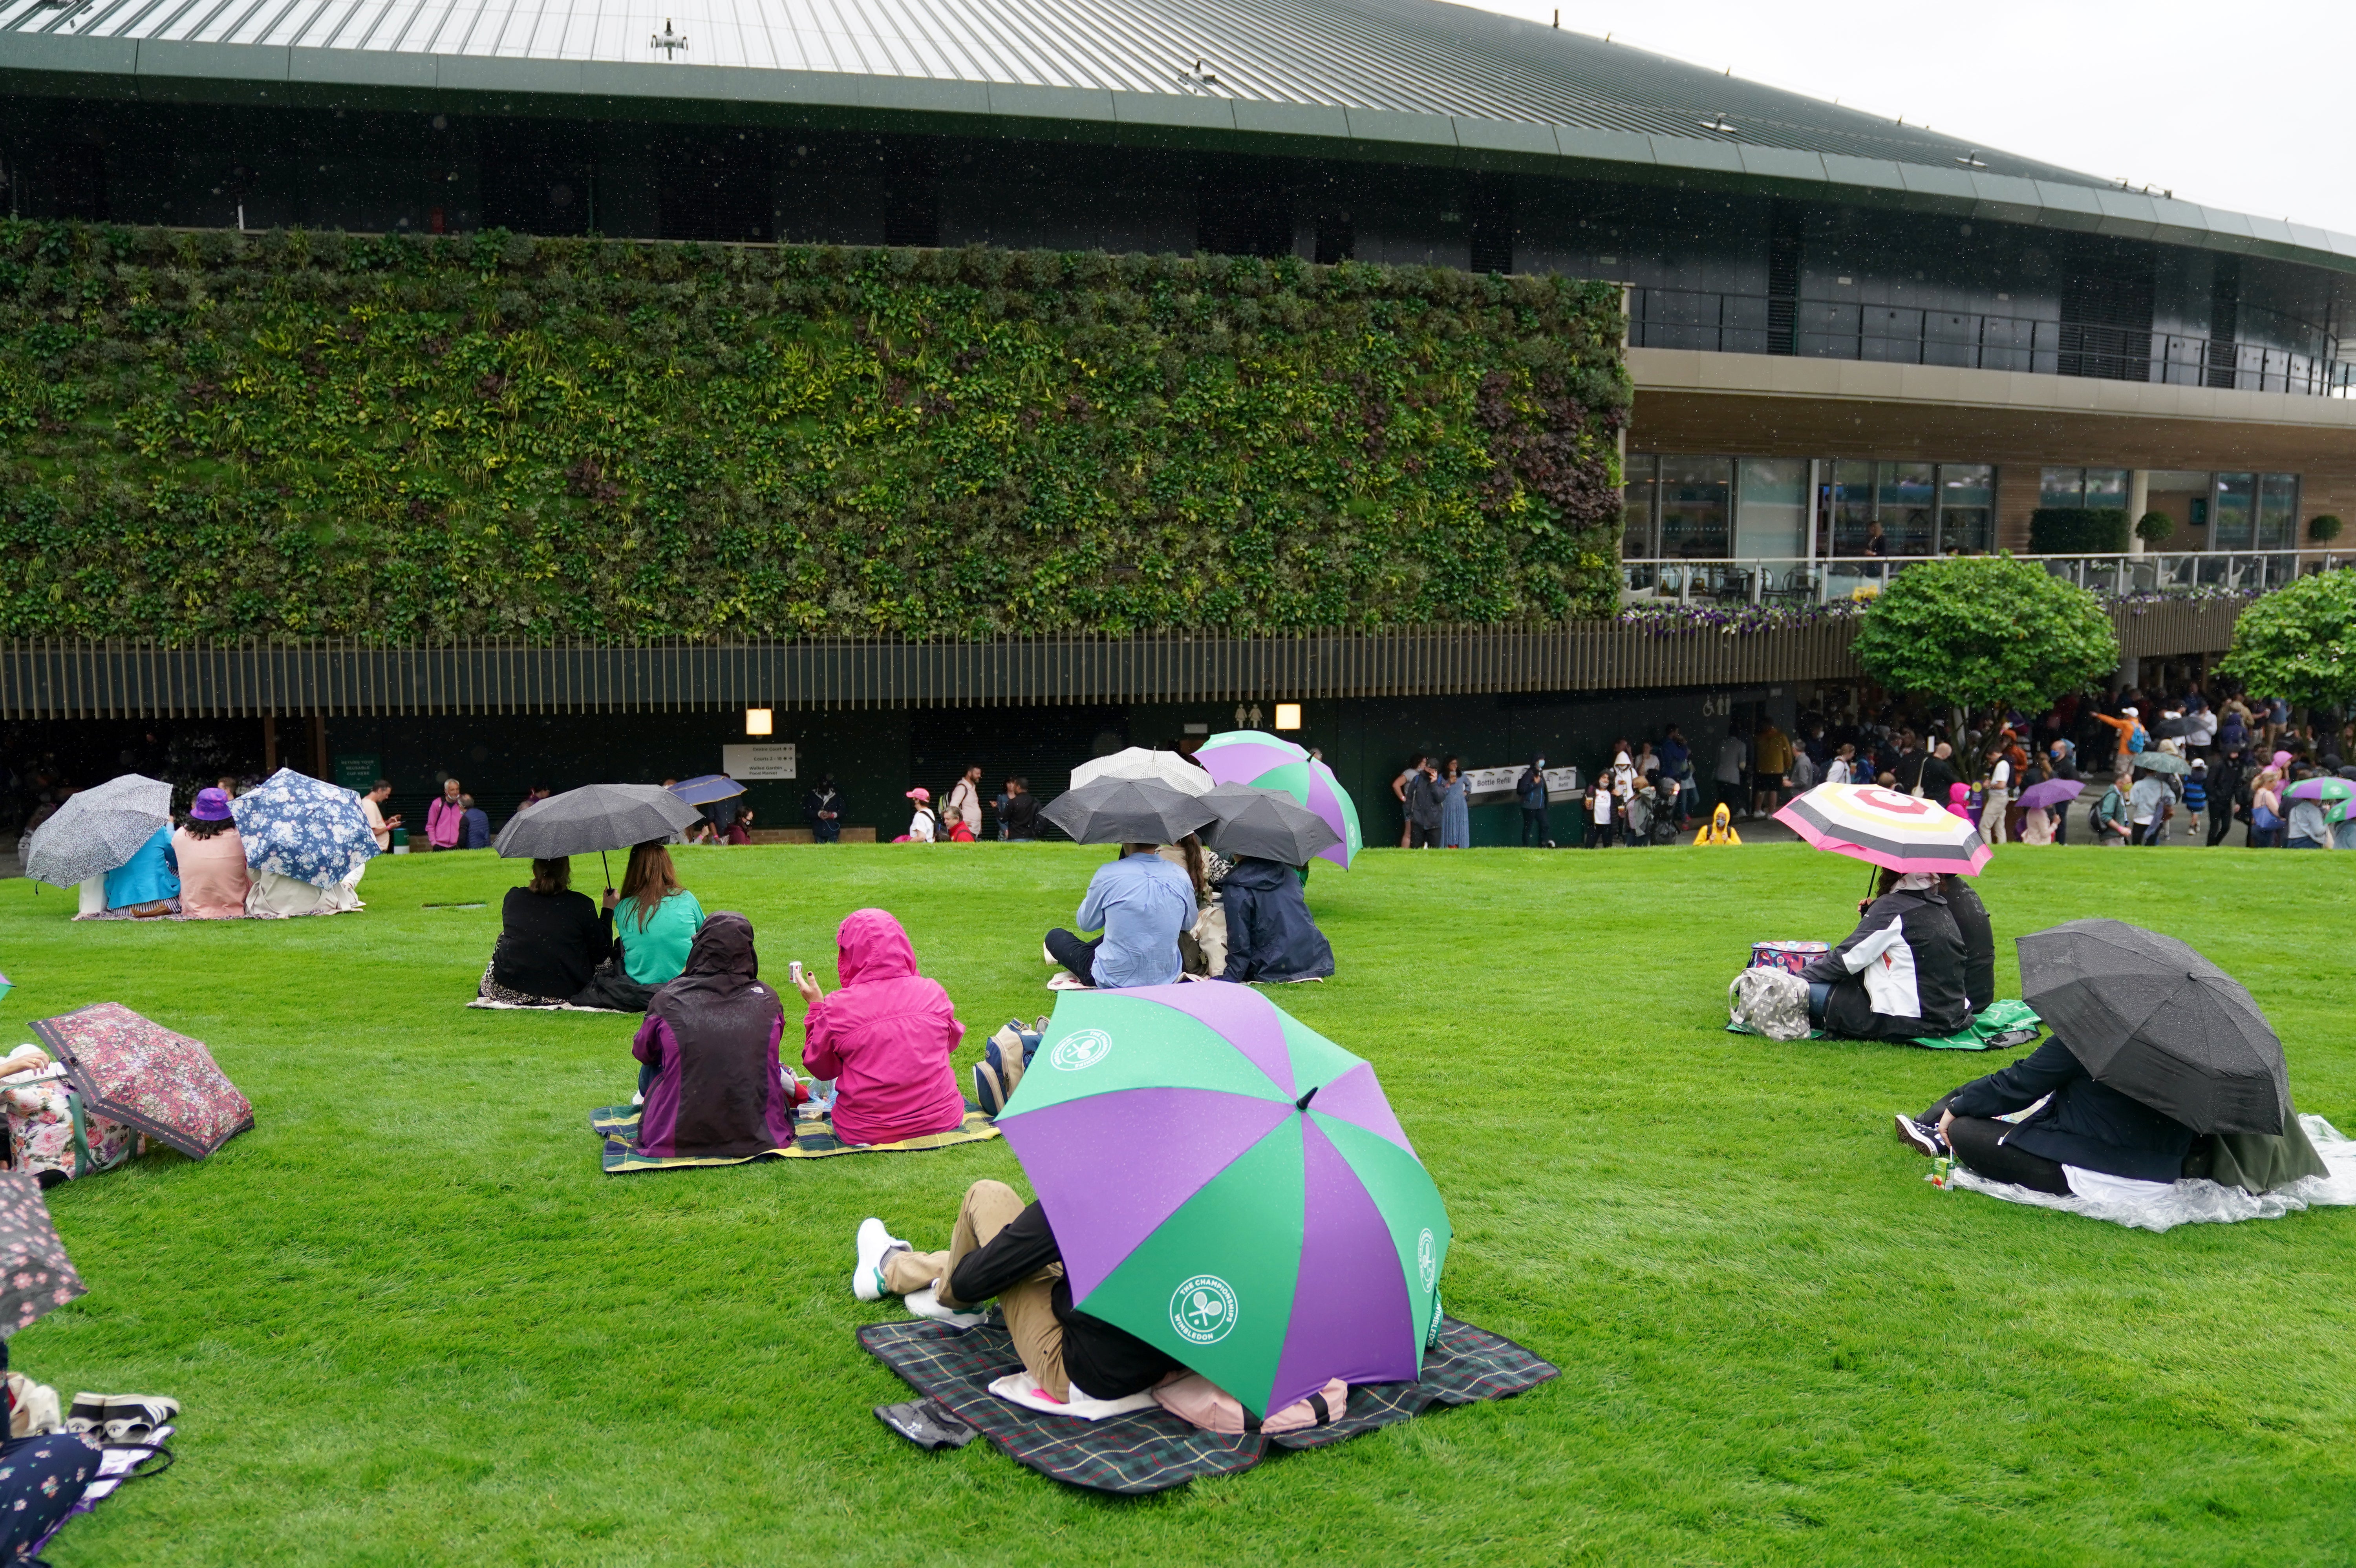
{"points": [[2187, 762]]}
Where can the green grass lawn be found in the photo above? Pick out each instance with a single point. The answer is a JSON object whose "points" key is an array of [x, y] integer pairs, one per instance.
{"points": [[412, 1323]]}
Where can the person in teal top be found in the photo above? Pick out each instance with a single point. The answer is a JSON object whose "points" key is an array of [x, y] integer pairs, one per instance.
{"points": [[657, 920], [150, 876]]}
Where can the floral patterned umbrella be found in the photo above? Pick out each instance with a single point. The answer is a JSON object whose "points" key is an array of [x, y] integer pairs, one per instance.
{"points": [[137, 1070], [298, 826], [36, 1275]]}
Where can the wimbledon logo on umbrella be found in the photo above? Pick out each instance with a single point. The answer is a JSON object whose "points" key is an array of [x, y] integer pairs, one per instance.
{"points": [[1080, 1049], [1203, 1310], [1427, 1258]]}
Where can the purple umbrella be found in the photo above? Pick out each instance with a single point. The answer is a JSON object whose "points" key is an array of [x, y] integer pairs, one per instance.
{"points": [[1232, 1187], [2052, 793]]}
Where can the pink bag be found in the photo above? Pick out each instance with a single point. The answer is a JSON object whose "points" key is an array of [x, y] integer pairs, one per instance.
{"points": [[1789, 956], [1197, 1401]]}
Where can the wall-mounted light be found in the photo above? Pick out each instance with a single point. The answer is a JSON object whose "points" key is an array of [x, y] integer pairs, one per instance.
{"points": [[760, 721], [1288, 716]]}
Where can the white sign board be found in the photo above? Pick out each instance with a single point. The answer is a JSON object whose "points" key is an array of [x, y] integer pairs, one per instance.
{"points": [[1487, 786], [745, 764]]}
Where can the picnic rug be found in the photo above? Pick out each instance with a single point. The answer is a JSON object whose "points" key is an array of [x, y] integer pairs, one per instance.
{"points": [[813, 1139], [1152, 1450], [2003, 1025]]}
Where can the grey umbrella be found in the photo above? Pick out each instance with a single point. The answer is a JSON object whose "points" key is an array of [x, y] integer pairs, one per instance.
{"points": [[594, 817], [1265, 825], [1129, 811], [2161, 762], [97, 829], [2159, 1023]]}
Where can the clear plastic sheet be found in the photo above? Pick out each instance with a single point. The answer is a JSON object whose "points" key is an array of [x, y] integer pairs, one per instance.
{"points": [[2155, 1206]]}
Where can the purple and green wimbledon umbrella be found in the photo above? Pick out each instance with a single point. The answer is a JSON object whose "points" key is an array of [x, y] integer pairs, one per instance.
{"points": [[1269, 762], [2337, 796], [1231, 1186]]}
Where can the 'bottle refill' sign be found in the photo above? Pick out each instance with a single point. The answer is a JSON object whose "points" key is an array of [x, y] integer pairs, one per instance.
{"points": [[743, 764]]}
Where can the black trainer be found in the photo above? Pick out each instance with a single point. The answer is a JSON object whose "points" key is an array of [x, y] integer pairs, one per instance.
{"points": [[1924, 1141]]}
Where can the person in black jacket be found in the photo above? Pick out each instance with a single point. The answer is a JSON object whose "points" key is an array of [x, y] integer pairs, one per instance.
{"points": [[1020, 815], [2085, 1123], [824, 808], [1531, 788], [2227, 782], [551, 939], [1000, 1248], [1270, 932], [1899, 974], [1978, 932]]}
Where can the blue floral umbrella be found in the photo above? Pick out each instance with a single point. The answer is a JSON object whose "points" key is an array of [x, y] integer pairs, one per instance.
{"points": [[298, 826]]}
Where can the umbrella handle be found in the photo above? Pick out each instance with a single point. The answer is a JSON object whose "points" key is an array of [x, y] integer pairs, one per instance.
{"points": [[608, 868]]}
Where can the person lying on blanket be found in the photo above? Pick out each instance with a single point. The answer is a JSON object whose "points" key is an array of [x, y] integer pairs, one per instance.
{"points": [[2085, 1124], [884, 1039], [1899, 974], [1000, 1248], [714, 1085]]}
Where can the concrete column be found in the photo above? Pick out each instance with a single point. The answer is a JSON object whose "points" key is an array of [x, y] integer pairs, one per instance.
{"points": [[2138, 503]]}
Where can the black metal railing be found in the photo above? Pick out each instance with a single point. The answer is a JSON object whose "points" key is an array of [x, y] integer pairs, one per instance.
{"points": [[1976, 340]]}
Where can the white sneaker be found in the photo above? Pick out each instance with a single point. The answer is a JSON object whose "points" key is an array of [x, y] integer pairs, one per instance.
{"points": [[875, 1243], [1046, 956], [927, 1302]]}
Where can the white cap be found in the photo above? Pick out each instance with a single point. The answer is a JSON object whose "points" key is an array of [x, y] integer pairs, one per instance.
{"points": [[2130, 713]]}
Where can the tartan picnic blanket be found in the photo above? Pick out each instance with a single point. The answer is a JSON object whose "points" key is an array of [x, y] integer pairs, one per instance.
{"points": [[813, 1139], [1152, 1450], [2004, 1024]]}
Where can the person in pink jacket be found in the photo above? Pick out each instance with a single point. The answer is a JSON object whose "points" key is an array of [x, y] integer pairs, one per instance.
{"points": [[884, 1038], [446, 816]]}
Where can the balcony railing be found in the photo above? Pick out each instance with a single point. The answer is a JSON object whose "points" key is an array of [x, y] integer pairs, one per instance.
{"points": [[1794, 582], [1913, 334]]}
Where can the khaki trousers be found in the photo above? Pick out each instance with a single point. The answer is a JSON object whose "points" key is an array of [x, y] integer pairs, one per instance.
{"points": [[1028, 1305]]}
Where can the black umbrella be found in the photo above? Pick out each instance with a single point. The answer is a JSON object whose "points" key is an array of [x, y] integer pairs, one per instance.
{"points": [[2172, 728], [1265, 825], [594, 817], [1129, 811], [2159, 1023]]}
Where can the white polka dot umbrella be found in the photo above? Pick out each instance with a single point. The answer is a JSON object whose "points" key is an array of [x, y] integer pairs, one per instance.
{"points": [[1883, 827]]}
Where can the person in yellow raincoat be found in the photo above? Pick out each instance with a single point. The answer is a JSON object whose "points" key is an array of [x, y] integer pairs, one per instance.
{"points": [[1721, 829]]}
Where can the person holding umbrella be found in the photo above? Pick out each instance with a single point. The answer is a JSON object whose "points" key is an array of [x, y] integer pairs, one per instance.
{"points": [[1271, 935], [2152, 1046], [551, 939], [1140, 902]]}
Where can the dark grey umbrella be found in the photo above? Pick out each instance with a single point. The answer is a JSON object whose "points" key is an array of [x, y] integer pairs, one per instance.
{"points": [[2159, 1023], [594, 817], [1265, 825], [1129, 811]]}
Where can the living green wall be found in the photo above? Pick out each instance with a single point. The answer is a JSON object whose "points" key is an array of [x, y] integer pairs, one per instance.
{"points": [[214, 434]]}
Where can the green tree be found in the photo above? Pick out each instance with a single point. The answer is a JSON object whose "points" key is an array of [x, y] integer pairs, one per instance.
{"points": [[1978, 631], [2299, 643]]}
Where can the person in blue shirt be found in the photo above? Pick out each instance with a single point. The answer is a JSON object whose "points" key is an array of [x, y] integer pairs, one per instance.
{"points": [[148, 878], [1140, 902], [475, 826]]}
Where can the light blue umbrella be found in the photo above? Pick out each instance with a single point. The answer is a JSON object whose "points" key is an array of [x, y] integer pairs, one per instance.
{"points": [[707, 789], [298, 826]]}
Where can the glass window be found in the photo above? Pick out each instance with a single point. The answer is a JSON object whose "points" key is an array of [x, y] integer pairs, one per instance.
{"points": [[1851, 506], [2277, 511], [2062, 487], [2106, 487], [1910, 499], [2235, 510], [1636, 541], [1694, 507], [1770, 518], [1966, 507]]}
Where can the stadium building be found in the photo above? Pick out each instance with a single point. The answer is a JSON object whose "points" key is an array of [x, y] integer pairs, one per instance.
{"points": [[1853, 339]]}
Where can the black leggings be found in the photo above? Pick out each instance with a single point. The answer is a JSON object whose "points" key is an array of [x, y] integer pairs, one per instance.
{"points": [[1079, 957], [1977, 1141]]}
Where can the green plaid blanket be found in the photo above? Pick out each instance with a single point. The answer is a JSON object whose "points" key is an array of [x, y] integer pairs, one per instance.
{"points": [[1152, 1450], [814, 1139], [2003, 1025]]}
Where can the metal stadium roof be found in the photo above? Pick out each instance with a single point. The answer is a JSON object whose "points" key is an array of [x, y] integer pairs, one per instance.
{"points": [[1385, 78]]}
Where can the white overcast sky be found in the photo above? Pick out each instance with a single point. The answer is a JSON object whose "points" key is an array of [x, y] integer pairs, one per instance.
{"points": [[2248, 105]]}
